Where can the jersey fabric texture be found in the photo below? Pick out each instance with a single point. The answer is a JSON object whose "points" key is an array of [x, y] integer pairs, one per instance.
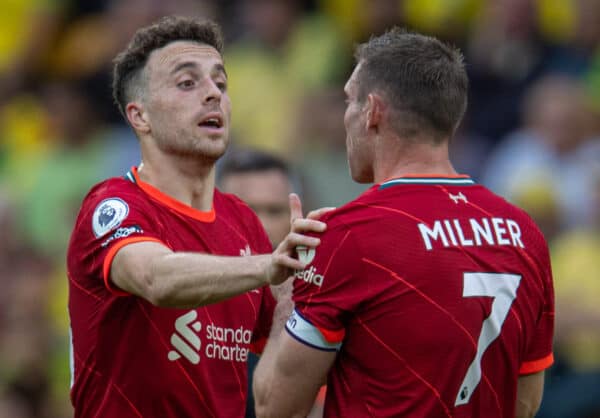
{"points": [[133, 359], [436, 293]]}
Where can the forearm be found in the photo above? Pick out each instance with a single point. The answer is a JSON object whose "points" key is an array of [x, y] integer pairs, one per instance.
{"points": [[267, 403], [284, 307], [529, 395], [185, 280]]}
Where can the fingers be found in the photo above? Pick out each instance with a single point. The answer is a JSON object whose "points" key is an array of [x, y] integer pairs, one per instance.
{"points": [[295, 207], [308, 225], [294, 239], [317, 213], [287, 262]]}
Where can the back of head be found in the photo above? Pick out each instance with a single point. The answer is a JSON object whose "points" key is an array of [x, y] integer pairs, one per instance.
{"points": [[128, 70], [423, 80]]}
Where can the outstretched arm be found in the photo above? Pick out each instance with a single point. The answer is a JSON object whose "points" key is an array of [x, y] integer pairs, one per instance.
{"points": [[185, 279]]}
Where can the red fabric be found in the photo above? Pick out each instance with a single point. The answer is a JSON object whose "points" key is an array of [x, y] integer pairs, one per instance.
{"points": [[410, 335], [125, 361]]}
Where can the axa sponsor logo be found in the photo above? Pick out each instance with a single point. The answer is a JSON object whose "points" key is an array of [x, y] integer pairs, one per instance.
{"points": [[222, 343], [310, 275]]}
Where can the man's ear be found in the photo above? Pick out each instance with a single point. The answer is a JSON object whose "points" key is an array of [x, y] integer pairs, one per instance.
{"points": [[375, 111], [137, 117]]}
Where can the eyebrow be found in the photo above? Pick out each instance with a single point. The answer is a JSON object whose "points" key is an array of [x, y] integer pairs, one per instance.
{"points": [[220, 68], [192, 65]]}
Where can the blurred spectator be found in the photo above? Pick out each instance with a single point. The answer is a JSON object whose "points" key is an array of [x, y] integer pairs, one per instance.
{"points": [[83, 153], [505, 52], [321, 151], [573, 386], [25, 339], [27, 31], [552, 147], [278, 55]]}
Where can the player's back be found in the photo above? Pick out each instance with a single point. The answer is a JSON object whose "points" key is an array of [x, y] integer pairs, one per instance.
{"points": [[444, 292]]}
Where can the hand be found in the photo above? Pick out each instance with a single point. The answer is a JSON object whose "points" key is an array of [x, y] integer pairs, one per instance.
{"points": [[284, 260]]}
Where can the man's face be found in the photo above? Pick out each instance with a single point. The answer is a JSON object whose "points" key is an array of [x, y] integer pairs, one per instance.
{"points": [[357, 143], [266, 192], [186, 101]]}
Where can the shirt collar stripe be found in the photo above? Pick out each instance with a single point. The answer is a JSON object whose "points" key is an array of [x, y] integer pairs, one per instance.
{"points": [[432, 180]]}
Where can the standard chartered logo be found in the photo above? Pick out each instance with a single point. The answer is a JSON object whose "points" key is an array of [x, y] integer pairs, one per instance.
{"points": [[222, 343], [188, 327]]}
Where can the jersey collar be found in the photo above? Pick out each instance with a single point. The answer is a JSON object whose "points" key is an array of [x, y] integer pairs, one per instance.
{"points": [[133, 176], [431, 179]]}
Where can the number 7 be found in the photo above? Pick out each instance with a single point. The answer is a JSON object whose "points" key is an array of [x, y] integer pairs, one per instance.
{"points": [[502, 287]]}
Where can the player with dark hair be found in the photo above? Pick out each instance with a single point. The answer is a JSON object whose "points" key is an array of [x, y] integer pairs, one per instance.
{"points": [[429, 296], [264, 182], [167, 292]]}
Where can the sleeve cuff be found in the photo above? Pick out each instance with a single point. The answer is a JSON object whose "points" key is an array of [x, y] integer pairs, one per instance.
{"points": [[535, 366], [111, 255]]}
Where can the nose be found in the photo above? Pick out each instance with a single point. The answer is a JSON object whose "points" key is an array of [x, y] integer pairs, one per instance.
{"points": [[213, 93]]}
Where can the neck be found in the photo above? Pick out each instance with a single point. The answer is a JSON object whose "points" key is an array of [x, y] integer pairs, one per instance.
{"points": [[186, 179], [412, 157]]}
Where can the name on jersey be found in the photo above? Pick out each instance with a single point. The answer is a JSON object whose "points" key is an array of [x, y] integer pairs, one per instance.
{"points": [[471, 232]]}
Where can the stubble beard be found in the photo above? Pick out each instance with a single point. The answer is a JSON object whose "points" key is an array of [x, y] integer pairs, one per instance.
{"points": [[205, 149]]}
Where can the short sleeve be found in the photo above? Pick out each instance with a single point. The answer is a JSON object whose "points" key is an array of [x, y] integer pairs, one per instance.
{"points": [[328, 290], [108, 221]]}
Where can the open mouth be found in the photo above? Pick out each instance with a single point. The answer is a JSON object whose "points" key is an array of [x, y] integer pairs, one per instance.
{"points": [[212, 122]]}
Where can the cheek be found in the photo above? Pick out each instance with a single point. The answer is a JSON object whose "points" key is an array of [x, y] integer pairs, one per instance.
{"points": [[226, 106], [347, 118]]}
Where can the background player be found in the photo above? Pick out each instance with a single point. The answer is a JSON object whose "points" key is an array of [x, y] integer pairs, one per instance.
{"points": [[163, 237], [429, 295], [264, 182]]}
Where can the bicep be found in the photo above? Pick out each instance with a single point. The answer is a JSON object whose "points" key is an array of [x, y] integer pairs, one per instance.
{"points": [[130, 269], [299, 372], [530, 388]]}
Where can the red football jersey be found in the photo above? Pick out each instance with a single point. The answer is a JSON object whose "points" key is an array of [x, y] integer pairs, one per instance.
{"points": [[437, 295], [133, 359]]}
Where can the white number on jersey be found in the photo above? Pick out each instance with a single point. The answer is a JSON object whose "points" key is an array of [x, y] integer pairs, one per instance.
{"points": [[503, 288]]}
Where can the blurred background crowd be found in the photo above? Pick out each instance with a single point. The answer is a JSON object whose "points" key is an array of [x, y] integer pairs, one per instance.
{"points": [[531, 133]]}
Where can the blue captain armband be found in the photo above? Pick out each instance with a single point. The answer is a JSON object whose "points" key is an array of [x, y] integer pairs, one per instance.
{"points": [[306, 333]]}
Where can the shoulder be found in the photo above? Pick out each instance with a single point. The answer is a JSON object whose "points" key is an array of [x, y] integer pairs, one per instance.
{"points": [[358, 213], [108, 203], [117, 187]]}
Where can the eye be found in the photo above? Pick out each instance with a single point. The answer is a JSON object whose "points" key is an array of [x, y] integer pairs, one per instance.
{"points": [[222, 85], [186, 84]]}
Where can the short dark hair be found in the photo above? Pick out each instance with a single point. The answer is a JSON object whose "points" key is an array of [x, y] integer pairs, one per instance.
{"points": [[129, 64], [424, 80], [241, 161]]}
